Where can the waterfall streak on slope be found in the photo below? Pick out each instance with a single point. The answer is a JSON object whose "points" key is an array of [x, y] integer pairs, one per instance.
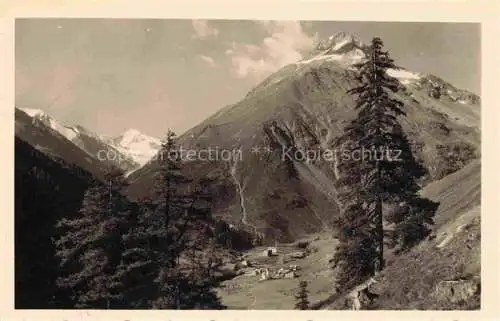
{"points": [[241, 189], [336, 168]]}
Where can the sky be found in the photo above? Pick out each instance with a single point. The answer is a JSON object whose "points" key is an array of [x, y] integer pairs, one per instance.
{"points": [[110, 75]]}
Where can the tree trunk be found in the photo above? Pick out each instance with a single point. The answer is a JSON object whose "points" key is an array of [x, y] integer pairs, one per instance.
{"points": [[379, 224], [177, 289]]}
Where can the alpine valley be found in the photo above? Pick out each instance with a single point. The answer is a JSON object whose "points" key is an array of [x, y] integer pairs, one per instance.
{"points": [[282, 200]]}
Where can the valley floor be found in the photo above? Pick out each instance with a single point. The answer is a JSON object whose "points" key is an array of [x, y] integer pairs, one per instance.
{"points": [[247, 291], [442, 272]]}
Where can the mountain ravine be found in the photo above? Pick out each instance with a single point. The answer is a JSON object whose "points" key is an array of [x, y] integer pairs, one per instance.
{"points": [[304, 106]]}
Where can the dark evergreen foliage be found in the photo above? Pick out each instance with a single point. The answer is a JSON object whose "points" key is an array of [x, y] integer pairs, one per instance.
{"points": [[46, 189], [90, 245], [302, 297], [386, 176], [231, 238], [106, 251], [169, 228]]}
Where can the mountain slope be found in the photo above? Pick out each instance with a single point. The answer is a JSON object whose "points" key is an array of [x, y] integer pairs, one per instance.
{"points": [[46, 189], [304, 106], [421, 279], [52, 143], [69, 132], [86, 140], [408, 282]]}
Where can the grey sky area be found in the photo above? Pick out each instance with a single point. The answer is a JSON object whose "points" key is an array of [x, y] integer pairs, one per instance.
{"points": [[110, 75]]}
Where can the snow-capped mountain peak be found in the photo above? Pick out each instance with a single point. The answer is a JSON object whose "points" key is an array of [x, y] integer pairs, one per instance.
{"points": [[138, 146], [34, 112], [39, 115], [343, 48], [347, 49], [132, 136], [340, 42], [88, 141]]}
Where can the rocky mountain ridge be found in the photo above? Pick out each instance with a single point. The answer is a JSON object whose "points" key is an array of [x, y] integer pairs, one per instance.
{"points": [[129, 151], [304, 106]]}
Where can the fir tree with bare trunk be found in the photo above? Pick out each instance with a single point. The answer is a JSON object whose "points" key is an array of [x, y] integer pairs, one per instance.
{"points": [[379, 192]]}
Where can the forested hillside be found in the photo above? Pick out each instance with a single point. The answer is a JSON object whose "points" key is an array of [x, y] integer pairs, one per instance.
{"points": [[46, 189]]}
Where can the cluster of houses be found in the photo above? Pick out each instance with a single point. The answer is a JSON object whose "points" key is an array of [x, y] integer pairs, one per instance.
{"points": [[267, 273], [282, 273]]}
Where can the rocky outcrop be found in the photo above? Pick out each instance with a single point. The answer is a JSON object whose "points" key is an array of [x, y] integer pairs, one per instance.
{"points": [[361, 297], [455, 291]]}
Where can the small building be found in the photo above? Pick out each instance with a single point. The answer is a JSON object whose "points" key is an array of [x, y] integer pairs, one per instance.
{"points": [[265, 274], [270, 251]]}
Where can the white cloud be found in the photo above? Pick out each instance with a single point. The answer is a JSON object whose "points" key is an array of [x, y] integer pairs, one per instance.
{"points": [[203, 30], [285, 44], [207, 59]]}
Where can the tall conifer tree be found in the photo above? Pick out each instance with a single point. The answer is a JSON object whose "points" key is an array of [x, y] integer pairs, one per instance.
{"points": [[386, 176], [159, 247], [302, 297], [90, 247]]}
